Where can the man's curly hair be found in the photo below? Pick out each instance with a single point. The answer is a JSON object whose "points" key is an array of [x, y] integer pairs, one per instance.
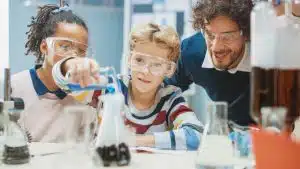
{"points": [[238, 10]]}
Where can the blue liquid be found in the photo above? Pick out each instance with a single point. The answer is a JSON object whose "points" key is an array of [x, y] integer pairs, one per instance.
{"points": [[76, 87]]}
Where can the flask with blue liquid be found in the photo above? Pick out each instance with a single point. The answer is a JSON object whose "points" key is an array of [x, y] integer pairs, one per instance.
{"points": [[108, 81]]}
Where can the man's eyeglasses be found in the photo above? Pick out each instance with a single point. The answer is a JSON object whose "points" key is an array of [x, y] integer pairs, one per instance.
{"points": [[225, 37]]}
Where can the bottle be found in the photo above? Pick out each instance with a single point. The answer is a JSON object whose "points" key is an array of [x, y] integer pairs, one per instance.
{"points": [[275, 62]]}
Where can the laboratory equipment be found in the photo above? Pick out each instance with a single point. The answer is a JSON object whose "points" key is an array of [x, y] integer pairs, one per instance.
{"points": [[39, 2], [215, 138], [112, 142], [142, 62], [107, 81], [14, 140], [66, 47], [241, 140], [273, 118], [275, 62], [216, 142]]}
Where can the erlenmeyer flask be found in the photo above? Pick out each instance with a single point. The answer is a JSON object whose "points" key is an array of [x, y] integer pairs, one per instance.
{"points": [[216, 150], [16, 149], [111, 142], [215, 139]]}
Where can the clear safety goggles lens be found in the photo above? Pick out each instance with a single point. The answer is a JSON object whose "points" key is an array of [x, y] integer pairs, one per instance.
{"points": [[67, 47], [157, 66]]}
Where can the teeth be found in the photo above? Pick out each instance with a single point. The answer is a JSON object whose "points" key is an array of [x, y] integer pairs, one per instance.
{"points": [[220, 56]]}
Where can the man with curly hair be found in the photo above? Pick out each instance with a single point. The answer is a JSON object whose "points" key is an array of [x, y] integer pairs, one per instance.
{"points": [[217, 58]]}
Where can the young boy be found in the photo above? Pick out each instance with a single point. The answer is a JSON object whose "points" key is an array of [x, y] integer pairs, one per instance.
{"points": [[158, 113]]}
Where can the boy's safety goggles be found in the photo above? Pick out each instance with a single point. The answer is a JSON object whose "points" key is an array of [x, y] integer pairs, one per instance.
{"points": [[145, 63]]}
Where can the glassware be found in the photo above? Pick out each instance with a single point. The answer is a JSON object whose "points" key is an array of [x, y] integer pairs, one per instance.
{"points": [[215, 146], [276, 66], [16, 149], [241, 140], [112, 142], [2, 135], [107, 81], [273, 118], [77, 142], [216, 150]]}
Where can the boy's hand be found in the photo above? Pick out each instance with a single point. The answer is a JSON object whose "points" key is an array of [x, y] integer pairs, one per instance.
{"points": [[83, 71]]}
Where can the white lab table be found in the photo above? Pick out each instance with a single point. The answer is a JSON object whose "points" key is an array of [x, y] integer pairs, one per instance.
{"points": [[165, 160], [159, 160]]}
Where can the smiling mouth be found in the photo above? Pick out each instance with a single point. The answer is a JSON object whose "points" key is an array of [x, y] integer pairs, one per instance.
{"points": [[220, 57], [144, 81]]}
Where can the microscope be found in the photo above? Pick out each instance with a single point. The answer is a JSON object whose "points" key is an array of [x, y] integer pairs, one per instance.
{"points": [[15, 147]]}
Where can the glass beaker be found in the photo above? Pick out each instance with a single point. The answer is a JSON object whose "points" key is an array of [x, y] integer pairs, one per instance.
{"points": [[241, 140], [77, 142], [107, 81]]}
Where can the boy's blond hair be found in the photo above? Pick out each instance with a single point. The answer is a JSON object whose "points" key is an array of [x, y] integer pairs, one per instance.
{"points": [[163, 36]]}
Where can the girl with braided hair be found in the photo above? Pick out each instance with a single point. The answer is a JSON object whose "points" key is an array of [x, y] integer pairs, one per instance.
{"points": [[54, 33]]}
